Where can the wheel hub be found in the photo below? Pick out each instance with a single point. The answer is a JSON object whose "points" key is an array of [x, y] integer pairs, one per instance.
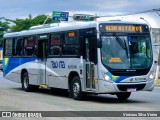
{"points": [[25, 82], [76, 89]]}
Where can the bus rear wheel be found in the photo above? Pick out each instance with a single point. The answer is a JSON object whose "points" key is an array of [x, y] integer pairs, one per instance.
{"points": [[123, 95], [75, 89], [25, 82]]}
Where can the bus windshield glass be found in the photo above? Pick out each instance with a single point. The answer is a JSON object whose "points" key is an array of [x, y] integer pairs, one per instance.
{"points": [[130, 51]]}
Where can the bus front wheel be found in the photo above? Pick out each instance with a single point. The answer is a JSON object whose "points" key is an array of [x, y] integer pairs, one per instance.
{"points": [[75, 89], [123, 95]]}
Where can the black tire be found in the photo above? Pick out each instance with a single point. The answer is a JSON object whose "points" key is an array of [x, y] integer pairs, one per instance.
{"points": [[25, 83], [123, 95], [75, 89]]}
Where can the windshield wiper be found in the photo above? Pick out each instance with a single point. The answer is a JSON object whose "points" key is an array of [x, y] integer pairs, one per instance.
{"points": [[121, 42]]}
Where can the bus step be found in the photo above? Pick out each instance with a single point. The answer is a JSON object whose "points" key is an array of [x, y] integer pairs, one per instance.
{"points": [[43, 86]]}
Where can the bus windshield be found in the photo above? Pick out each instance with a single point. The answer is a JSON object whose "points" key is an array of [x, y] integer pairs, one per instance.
{"points": [[126, 51]]}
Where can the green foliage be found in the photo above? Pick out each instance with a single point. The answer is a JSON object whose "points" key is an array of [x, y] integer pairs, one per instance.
{"points": [[1, 38], [21, 24], [4, 26], [158, 82], [25, 24], [39, 20]]}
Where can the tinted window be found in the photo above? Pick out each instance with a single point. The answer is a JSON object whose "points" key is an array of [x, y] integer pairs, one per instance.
{"points": [[55, 44], [8, 47], [18, 47], [29, 46], [71, 46]]}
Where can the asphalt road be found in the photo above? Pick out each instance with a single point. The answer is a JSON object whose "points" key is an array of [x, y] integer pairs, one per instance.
{"points": [[13, 98]]}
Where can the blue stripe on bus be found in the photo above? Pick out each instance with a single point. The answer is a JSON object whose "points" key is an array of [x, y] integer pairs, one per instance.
{"points": [[11, 63], [117, 79], [120, 78]]}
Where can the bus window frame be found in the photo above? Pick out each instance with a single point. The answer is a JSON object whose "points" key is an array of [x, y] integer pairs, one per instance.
{"points": [[17, 56], [77, 44], [49, 44], [35, 49], [4, 48]]}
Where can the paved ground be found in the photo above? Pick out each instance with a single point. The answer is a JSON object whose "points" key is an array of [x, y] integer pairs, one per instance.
{"points": [[12, 98]]}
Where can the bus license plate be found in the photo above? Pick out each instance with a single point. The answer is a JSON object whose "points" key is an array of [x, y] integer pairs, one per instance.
{"points": [[131, 90]]}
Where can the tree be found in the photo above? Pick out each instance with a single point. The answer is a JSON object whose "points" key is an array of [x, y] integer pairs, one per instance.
{"points": [[20, 24], [1, 38], [39, 20], [4, 26], [25, 24]]}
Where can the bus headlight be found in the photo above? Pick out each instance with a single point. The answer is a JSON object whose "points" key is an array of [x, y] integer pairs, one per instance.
{"points": [[151, 76], [106, 76]]}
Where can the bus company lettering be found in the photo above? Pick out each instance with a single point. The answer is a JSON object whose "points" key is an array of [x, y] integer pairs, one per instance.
{"points": [[58, 64]]}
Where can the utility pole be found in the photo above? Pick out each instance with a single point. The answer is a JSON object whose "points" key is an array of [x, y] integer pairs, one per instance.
{"points": [[158, 62]]}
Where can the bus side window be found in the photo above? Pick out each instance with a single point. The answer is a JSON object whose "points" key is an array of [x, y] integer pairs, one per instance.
{"points": [[55, 44], [8, 47], [17, 47], [71, 46], [29, 46]]}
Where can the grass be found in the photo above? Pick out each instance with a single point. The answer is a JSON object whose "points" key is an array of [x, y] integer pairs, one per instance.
{"points": [[158, 81]]}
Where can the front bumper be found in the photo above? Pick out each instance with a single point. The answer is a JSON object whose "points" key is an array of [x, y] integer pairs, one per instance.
{"points": [[111, 87]]}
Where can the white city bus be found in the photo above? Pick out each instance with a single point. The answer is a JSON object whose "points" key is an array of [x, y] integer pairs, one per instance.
{"points": [[112, 57]]}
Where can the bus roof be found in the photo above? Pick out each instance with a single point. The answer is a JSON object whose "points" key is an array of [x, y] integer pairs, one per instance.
{"points": [[57, 27]]}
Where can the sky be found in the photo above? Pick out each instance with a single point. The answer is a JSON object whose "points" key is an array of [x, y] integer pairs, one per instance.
{"points": [[13, 9]]}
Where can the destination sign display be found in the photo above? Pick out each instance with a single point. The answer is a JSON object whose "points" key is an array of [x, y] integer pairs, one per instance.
{"points": [[71, 34], [124, 28]]}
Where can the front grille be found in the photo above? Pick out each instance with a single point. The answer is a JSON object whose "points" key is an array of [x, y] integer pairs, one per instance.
{"points": [[125, 87], [129, 73]]}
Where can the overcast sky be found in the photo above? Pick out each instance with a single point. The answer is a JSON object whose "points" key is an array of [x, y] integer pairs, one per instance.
{"points": [[22, 8]]}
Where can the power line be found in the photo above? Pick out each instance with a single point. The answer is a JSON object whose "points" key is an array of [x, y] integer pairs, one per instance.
{"points": [[156, 10], [133, 13]]}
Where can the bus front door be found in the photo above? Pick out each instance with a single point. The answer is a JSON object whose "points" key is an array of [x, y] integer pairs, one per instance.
{"points": [[42, 62], [90, 66]]}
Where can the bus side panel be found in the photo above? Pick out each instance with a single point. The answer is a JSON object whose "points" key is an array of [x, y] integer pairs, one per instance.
{"points": [[58, 70], [56, 73], [31, 66], [33, 74], [9, 65], [14, 66]]}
